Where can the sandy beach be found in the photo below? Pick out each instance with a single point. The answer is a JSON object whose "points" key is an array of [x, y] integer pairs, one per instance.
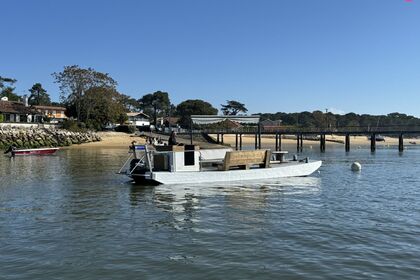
{"points": [[123, 140], [112, 139]]}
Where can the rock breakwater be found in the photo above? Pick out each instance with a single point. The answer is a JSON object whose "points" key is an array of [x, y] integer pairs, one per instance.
{"points": [[37, 138]]}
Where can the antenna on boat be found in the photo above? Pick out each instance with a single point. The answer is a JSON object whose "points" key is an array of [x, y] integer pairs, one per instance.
{"points": [[191, 131]]}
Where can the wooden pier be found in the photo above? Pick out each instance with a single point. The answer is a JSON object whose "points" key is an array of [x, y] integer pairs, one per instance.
{"points": [[318, 134]]}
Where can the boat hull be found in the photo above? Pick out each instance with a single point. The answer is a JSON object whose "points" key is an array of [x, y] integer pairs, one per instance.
{"points": [[41, 151], [290, 169]]}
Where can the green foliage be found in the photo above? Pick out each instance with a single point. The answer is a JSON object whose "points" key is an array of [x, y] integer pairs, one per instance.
{"points": [[1, 118], [72, 125], [101, 106], [318, 119], [122, 118], [4, 81], [7, 90], [39, 95], [156, 103], [75, 82], [233, 107], [193, 107], [130, 104]]}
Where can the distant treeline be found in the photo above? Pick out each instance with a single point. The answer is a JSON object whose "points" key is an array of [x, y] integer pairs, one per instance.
{"points": [[319, 119], [93, 101]]}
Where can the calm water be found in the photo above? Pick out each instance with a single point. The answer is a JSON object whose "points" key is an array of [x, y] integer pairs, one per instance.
{"points": [[70, 217]]}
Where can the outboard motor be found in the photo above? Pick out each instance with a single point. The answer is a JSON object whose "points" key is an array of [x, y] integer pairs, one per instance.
{"points": [[11, 150], [140, 168]]}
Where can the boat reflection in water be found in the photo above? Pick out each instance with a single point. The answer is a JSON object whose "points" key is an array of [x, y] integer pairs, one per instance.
{"points": [[188, 204]]}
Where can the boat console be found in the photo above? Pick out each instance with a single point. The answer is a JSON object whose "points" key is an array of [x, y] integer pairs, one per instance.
{"points": [[166, 158], [176, 158]]}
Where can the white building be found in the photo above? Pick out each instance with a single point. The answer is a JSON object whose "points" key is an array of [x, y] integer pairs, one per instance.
{"points": [[138, 119]]}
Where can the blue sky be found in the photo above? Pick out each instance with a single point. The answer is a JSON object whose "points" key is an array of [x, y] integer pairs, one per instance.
{"points": [[358, 56]]}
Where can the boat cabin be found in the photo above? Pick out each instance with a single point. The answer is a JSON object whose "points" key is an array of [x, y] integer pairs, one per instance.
{"points": [[190, 158], [169, 158]]}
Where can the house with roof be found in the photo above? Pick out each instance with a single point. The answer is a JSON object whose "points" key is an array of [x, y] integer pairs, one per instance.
{"points": [[21, 112], [56, 114], [138, 119], [16, 112]]}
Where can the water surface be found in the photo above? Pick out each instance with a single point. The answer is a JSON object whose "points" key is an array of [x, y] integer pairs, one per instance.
{"points": [[70, 216]]}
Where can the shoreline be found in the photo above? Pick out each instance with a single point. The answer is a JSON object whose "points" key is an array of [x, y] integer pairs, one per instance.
{"points": [[331, 140], [111, 139]]}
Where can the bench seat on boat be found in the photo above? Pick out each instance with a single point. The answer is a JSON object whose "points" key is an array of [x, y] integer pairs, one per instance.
{"points": [[212, 156], [245, 159]]}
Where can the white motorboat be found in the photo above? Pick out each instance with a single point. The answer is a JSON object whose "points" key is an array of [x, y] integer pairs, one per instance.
{"points": [[188, 164]]}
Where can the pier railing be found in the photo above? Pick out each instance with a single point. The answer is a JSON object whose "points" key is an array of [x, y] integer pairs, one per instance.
{"points": [[374, 134]]}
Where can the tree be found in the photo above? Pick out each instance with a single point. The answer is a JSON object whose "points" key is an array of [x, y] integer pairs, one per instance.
{"points": [[75, 82], [4, 80], [156, 103], [101, 106], [39, 95], [233, 107], [319, 118], [130, 104], [7, 90], [193, 107]]}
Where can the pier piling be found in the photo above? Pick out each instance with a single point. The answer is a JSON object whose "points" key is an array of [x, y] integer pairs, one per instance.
{"points": [[347, 142], [256, 141], [401, 143], [236, 141], [322, 143], [297, 143], [279, 142], [373, 142], [240, 141]]}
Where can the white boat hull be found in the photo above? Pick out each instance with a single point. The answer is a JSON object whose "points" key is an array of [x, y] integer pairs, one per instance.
{"points": [[290, 169]]}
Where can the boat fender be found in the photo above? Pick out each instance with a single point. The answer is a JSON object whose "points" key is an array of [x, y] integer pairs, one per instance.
{"points": [[355, 166]]}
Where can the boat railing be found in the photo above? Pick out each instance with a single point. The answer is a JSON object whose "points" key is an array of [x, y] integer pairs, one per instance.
{"points": [[137, 164], [134, 155], [123, 169]]}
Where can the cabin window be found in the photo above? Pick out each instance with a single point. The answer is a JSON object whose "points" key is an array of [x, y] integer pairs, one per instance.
{"points": [[189, 158]]}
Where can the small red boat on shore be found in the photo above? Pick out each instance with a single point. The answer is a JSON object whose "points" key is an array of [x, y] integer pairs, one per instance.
{"points": [[27, 152]]}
